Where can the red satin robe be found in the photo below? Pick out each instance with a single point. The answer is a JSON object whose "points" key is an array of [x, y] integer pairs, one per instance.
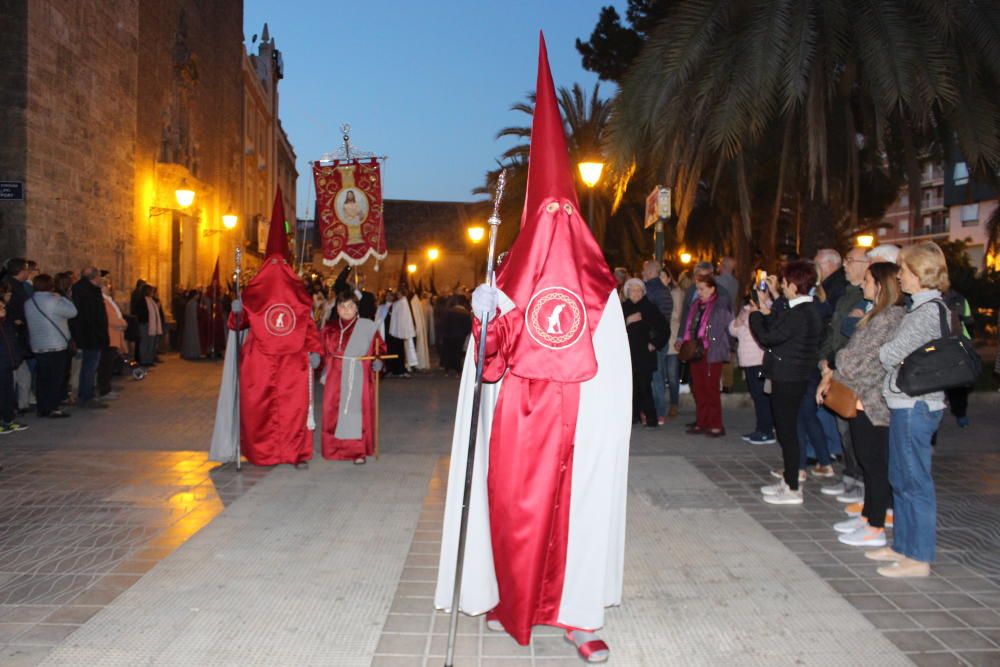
{"points": [[529, 484], [334, 346], [275, 378]]}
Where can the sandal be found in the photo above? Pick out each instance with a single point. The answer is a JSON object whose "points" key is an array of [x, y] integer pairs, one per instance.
{"points": [[592, 651], [360, 461]]}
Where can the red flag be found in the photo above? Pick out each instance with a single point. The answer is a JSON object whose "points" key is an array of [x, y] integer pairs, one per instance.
{"points": [[277, 239], [555, 272]]}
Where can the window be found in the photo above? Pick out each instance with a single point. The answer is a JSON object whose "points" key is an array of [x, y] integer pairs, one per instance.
{"points": [[961, 173], [970, 215], [905, 199], [882, 231], [904, 226]]}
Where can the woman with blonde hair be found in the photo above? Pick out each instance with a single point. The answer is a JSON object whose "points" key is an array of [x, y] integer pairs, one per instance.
{"points": [[858, 368], [913, 420]]}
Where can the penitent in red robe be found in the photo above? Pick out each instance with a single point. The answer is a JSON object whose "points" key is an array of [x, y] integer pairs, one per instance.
{"points": [[349, 420], [275, 377]]}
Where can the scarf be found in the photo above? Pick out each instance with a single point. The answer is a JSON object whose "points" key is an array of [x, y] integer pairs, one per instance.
{"points": [[706, 316], [155, 326]]}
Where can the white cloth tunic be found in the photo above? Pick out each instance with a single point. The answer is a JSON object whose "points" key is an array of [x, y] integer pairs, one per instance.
{"points": [[596, 548]]}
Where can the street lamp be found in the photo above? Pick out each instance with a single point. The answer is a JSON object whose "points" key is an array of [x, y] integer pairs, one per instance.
{"points": [[865, 240], [685, 258], [184, 194], [590, 173], [229, 220], [411, 268], [433, 254], [476, 233]]}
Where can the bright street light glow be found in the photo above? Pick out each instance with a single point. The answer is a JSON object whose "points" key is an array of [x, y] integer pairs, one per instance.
{"points": [[432, 254], [184, 195], [590, 172], [411, 268], [477, 233], [685, 258], [229, 220], [866, 240]]}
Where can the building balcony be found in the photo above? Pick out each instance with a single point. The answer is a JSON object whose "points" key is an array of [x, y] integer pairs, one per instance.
{"points": [[936, 228], [934, 203]]}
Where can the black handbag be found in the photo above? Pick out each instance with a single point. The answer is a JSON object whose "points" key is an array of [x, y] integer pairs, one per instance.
{"points": [[946, 363]]}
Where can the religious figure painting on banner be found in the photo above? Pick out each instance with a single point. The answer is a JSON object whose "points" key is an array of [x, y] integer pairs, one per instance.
{"points": [[349, 211]]}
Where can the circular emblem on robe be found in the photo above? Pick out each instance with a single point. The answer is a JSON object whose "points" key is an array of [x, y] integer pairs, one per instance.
{"points": [[279, 320], [556, 317]]}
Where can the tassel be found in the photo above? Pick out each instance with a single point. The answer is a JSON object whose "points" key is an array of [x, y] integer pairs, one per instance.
{"points": [[311, 417]]}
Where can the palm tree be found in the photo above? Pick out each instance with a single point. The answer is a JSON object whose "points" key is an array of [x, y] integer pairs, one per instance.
{"points": [[829, 93], [585, 119]]}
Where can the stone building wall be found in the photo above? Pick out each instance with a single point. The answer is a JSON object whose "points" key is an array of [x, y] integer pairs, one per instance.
{"points": [[80, 131]]}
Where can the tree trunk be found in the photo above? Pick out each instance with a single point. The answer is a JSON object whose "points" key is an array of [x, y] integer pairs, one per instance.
{"points": [[817, 228], [912, 174], [771, 233]]}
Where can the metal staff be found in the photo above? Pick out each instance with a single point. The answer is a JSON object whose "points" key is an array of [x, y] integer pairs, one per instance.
{"points": [[484, 318], [239, 336]]}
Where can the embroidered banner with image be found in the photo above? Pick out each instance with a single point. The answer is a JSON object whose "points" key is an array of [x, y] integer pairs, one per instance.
{"points": [[349, 211]]}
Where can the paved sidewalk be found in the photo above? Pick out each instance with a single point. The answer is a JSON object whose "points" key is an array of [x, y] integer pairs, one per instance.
{"points": [[336, 564]]}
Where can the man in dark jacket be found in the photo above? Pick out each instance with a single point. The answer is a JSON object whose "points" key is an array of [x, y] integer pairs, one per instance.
{"points": [[90, 332], [830, 267], [659, 295]]}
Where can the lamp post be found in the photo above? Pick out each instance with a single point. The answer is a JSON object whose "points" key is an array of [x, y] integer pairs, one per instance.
{"points": [[590, 173], [433, 253]]}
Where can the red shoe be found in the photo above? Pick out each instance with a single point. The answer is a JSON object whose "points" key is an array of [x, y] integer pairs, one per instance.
{"points": [[593, 651]]}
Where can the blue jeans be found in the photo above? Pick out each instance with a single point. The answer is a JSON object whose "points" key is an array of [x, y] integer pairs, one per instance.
{"points": [[761, 401], [674, 378], [915, 505], [808, 423], [828, 421], [88, 374], [659, 382]]}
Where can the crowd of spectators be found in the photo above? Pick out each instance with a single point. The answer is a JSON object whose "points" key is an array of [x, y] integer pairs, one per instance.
{"points": [[63, 337], [813, 326]]}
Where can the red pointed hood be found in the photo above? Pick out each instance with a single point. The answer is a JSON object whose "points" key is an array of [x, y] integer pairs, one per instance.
{"points": [[277, 240], [215, 274], [555, 273]]}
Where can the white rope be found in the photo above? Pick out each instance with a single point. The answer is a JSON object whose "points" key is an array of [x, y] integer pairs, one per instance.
{"points": [[311, 417]]}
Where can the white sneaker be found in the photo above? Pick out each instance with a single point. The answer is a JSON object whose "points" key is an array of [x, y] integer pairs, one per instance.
{"points": [[855, 495], [866, 536], [850, 525], [785, 496], [684, 389], [780, 474], [833, 489], [773, 489]]}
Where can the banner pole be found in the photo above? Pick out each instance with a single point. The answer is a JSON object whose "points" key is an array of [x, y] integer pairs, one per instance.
{"points": [[239, 340], [484, 318]]}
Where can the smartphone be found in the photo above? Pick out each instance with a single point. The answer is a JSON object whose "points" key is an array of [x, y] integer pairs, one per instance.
{"points": [[761, 280]]}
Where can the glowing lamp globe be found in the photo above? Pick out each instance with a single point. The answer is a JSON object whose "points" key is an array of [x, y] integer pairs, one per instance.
{"points": [[229, 220], [685, 258], [865, 240], [184, 195], [411, 268], [590, 172], [477, 233], [433, 254]]}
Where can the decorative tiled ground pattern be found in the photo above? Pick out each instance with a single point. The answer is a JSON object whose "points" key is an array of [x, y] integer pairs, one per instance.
{"points": [[950, 618], [77, 528]]}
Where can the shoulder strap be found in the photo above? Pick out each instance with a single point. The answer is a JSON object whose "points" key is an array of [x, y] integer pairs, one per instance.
{"points": [[39, 308], [943, 311]]}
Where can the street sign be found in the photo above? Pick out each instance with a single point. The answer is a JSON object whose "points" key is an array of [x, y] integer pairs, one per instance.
{"points": [[13, 190], [657, 205]]}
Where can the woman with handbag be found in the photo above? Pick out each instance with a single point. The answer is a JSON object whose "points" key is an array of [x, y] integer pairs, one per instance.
{"points": [[854, 391], [790, 339], [705, 347], [647, 332], [913, 420]]}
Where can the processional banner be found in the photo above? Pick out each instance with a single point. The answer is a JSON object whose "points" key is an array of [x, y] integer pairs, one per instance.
{"points": [[349, 211]]}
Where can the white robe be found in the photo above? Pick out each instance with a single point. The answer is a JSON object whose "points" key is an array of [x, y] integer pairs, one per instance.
{"points": [[420, 328], [401, 326], [595, 553]]}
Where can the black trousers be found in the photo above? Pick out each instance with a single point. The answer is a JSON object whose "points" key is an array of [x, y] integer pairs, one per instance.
{"points": [[786, 400], [105, 367], [958, 400], [452, 354], [394, 345], [50, 382], [642, 395], [8, 397], [871, 446]]}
